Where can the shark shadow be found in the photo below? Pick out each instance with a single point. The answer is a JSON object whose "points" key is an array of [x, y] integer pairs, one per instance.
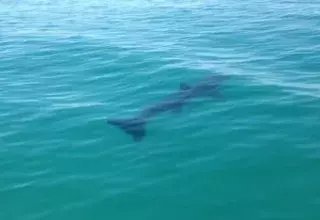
{"points": [[207, 87]]}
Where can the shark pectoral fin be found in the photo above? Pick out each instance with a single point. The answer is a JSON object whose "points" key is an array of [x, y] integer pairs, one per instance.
{"points": [[184, 86], [133, 127]]}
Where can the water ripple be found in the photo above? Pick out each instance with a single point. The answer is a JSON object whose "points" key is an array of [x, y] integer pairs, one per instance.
{"points": [[66, 66]]}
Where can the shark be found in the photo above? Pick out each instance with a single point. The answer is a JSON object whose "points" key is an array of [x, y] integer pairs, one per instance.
{"points": [[208, 86]]}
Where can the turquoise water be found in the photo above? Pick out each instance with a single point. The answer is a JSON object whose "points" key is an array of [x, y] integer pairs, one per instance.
{"points": [[68, 66]]}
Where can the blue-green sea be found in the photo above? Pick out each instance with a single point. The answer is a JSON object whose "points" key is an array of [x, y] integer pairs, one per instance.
{"points": [[68, 66]]}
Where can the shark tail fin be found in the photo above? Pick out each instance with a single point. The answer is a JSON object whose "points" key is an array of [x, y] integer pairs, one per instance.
{"points": [[134, 127]]}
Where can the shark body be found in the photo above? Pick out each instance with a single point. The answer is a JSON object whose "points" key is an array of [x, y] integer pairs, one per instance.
{"points": [[207, 87]]}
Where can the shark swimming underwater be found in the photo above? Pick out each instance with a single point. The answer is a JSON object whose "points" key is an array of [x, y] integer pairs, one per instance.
{"points": [[135, 126]]}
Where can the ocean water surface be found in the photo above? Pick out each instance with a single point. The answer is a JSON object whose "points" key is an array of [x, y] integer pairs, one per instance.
{"points": [[68, 66]]}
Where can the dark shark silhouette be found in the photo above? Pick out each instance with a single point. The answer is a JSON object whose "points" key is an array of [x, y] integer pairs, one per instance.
{"points": [[207, 87]]}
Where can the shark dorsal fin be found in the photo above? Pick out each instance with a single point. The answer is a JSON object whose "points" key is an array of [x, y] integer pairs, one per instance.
{"points": [[184, 86]]}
